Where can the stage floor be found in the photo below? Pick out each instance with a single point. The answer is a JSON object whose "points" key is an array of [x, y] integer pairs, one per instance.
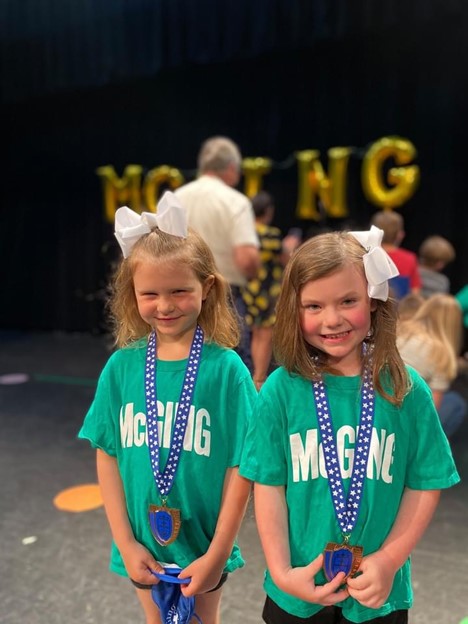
{"points": [[54, 563]]}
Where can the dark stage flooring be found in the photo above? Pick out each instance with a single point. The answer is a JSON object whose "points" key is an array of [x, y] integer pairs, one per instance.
{"points": [[53, 563]]}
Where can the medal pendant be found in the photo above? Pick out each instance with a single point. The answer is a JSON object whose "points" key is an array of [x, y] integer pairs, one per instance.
{"points": [[165, 523], [341, 558]]}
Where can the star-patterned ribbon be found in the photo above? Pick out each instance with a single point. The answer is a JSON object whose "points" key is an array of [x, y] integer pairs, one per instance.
{"points": [[346, 508], [164, 480]]}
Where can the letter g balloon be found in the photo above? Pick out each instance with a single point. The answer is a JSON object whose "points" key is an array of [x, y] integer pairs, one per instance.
{"points": [[384, 185]]}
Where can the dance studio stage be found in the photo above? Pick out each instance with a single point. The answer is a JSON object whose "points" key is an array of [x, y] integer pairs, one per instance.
{"points": [[53, 562]]}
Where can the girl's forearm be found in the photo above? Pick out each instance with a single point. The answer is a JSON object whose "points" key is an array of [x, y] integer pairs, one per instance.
{"points": [[114, 499], [272, 522], [416, 510], [236, 493]]}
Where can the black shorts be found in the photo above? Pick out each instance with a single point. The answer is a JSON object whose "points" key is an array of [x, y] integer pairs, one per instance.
{"points": [[272, 614], [222, 580]]}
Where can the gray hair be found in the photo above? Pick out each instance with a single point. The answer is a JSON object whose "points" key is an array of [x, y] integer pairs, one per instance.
{"points": [[217, 153]]}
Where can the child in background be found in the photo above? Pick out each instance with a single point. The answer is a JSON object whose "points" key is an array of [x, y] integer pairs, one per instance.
{"points": [[430, 341], [435, 253], [169, 417], [345, 445], [409, 305], [406, 261], [261, 293]]}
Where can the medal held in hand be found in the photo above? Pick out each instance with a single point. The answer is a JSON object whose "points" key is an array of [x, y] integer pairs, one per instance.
{"points": [[165, 521], [345, 557], [341, 558]]}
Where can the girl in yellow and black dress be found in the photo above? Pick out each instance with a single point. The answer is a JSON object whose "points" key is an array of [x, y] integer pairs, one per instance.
{"points": [[261, 293]]}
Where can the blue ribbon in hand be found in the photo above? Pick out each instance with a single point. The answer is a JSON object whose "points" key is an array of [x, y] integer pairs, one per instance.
{"points": [[175, 608]]}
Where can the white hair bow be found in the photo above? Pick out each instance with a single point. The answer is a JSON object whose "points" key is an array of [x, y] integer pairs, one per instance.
{"points": [[378, 266], [130, 226]]}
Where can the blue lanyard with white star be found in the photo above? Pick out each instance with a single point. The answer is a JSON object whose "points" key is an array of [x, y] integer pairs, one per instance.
{"points": [[346, 509], [165, 479]]}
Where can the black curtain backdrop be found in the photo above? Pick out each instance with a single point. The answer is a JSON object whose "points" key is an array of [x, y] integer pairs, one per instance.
{"points": [[145, 82]]}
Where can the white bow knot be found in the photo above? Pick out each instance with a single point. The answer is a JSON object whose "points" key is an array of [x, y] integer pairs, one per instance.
{"points": [[378, 266], [130, 226]]}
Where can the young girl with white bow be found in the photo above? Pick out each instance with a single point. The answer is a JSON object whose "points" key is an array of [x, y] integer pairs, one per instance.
{"points": [[169, 419], [356, 456]]}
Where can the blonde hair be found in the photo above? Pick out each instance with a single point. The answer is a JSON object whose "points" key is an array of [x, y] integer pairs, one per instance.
{"points": [[316, 258], [434, 250], [391, 223], [438, 322], [217, 317]]}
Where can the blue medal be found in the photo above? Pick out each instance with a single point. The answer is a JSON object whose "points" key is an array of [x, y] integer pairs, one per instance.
{"points": [[165, 521], [344, 557], [341, 558]]}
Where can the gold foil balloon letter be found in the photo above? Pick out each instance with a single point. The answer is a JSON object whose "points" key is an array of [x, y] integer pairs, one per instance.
{"points": [[395, 187], [154, 179], [254, 169], [120, 191], [313, 182]]}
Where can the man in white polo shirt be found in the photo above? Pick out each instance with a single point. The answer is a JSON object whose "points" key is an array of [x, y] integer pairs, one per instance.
{"points": [[224, 218]]}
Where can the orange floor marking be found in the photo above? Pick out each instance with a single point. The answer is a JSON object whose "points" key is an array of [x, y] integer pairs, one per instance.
{"points": [[79, 498]]}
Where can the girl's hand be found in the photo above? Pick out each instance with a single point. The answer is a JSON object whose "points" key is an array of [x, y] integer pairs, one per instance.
{"points": [[374, 583], [300, 582], [139, 562], [205, 574]]}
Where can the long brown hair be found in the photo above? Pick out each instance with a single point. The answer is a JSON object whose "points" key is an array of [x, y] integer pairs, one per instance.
{"points": [[217, 317], [318, 257]]}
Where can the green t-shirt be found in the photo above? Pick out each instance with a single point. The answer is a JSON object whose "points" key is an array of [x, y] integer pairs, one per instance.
{"points": [[217, 424], [408, 449]]}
